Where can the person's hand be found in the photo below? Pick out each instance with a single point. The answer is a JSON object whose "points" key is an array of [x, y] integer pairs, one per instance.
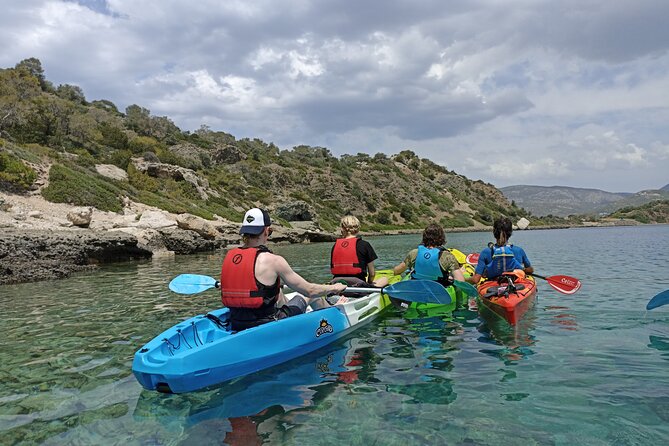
{"points": [[337, 288]]}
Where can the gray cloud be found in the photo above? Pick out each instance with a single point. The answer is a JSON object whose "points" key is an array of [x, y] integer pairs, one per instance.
{"points": [[465, 83]]}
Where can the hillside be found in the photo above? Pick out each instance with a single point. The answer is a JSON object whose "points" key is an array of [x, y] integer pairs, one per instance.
{"points": [[564, 201], [654, 212], [56, 143]]}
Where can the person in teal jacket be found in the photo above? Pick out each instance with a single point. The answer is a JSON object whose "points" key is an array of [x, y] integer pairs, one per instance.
{"points": [[430, 260]]}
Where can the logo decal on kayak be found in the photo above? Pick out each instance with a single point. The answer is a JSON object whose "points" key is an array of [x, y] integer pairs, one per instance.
{"points": [[324, 327]]}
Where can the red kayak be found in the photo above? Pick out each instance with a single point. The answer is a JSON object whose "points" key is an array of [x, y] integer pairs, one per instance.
{"points": [[509, 296]]}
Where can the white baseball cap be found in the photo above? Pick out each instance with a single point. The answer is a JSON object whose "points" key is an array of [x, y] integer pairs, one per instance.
{"points": [[255, 221]]}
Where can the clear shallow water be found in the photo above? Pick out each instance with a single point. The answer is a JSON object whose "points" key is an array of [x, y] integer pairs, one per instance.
{"points": [[591, 368]]}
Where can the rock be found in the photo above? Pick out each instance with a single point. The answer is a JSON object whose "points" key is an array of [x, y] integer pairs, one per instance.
{"points": [[35, 214], [148, 239], [523, 223], [177, 173], [294, 211], [189, 152], [111, 171], [227, 155], [197, 224], [155, 220], [31, 255], [80, 217], [189, 242], [307, 225]]}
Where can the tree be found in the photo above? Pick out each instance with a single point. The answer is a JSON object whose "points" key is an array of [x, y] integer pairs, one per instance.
{"points": [[16, 90], [138, 119], [106, 105], [33, 67], [72, 93]]}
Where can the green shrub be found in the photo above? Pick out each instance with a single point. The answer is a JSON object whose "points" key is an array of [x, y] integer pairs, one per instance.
{"points": [[142, 181], [14, 175], [81, 188]]}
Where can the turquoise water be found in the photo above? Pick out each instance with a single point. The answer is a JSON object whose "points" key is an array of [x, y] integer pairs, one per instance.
{"points": [[591, 368]]}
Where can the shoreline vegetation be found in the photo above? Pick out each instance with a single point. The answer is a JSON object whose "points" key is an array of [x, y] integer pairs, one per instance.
{"points": [[83, 183]]}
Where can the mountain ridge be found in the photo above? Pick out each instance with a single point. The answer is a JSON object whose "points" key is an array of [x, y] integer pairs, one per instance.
{"points": [[564, 201]]}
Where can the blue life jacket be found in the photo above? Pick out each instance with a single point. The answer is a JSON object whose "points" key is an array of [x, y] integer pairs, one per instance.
{"points": [[503, 260], [427, 265]]}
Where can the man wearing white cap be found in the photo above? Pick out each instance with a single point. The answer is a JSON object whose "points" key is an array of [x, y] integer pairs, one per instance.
{"points": [[251, 278]]}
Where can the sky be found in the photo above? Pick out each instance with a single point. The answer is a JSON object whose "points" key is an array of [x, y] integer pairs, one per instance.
{"points": [[569, 93]]}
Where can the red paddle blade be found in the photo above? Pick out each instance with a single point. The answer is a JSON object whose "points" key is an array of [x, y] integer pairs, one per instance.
{"points": [[473, 258], [564, 284]]}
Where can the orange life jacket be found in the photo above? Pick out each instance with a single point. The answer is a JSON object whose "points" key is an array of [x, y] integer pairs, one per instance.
{"points": [[344, 259], [239, 286]]}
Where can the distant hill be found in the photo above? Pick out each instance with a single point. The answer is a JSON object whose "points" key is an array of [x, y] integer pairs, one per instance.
{"points": [[564, 201]]}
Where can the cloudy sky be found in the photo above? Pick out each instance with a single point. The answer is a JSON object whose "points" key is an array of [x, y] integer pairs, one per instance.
{"points": [[570, 92]]}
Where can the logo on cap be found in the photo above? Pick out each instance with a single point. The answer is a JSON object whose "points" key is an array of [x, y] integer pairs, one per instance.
{"points": [[250, 218]]}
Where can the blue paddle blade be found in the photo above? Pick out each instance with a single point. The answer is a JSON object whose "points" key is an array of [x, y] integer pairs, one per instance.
{"points": [[421, 291], [191, 283], [469, 289], [658, 300]]}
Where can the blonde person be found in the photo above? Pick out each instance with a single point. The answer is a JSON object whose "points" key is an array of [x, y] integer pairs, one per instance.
{"points": [[251, 279], [352, 258]]}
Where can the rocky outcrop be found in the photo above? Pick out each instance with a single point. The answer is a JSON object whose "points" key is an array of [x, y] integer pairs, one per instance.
{"points": [[197, 224], [177, 173], [111, 171], [227, 155], [295, 211], [32, 255], [38, 243], [188, 242]]}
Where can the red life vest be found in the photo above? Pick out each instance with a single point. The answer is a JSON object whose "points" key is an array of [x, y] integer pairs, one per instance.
{"points": [[239, 286], [344, 260]]}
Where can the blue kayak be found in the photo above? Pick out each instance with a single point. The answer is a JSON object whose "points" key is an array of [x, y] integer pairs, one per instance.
{"points": [[202, 351]]}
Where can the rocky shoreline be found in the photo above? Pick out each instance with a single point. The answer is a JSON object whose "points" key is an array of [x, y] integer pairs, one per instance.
{"points": [[40, 240]]}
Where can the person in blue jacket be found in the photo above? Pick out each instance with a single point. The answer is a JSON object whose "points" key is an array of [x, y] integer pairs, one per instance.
{"points": [[501, 256], [431, 261]]}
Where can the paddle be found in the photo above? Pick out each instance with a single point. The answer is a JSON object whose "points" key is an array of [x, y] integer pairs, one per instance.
{"points": [[561, 283], [467, 288], [422, 291], [658, 300], [192, 283]]}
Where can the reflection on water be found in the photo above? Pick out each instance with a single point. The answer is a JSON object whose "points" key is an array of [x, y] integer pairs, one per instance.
{"points": [[660, 343], [515, 340], [583, 369]]}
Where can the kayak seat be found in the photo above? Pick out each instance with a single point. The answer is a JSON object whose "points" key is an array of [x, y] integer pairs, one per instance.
{"points": [[503, 290]]}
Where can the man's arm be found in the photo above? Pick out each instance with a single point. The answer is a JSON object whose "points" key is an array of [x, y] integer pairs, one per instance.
{"points": [[299, 284]]}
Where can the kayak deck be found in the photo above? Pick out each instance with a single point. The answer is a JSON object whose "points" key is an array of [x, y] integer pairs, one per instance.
{"points": [[203, 351], [510, 306]]}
